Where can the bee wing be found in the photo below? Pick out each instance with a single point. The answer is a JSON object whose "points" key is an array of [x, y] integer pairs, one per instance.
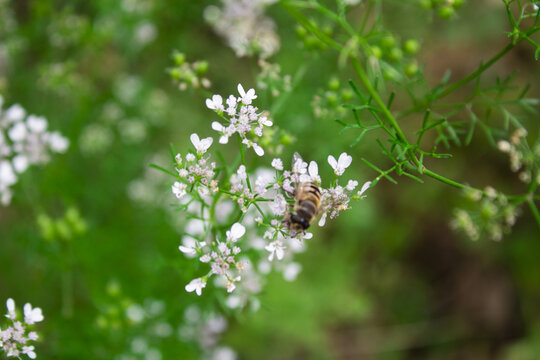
{"points": [[296, 160], [296, 156]]}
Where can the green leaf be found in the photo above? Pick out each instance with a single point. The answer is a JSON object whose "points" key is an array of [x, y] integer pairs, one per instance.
{"points": [[157, 167]]}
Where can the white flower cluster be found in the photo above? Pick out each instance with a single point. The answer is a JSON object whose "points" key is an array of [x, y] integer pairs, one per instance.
{"points": [[242, 119], [245, 27], [206, 329], [238, 227], [523, 158], [196, 171], [269, 192], [24, 141], [14, 340]]}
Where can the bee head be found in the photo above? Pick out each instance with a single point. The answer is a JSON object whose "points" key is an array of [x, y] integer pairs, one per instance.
{"points": [[298, 223]]}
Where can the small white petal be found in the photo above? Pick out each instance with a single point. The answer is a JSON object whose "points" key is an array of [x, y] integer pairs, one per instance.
{"points": [[344, 160], [258, 150], [322, 220], [313, 169], [238, 230], [366, 186], [241, 91], [217, 126], [332, 161], [194, 139]]}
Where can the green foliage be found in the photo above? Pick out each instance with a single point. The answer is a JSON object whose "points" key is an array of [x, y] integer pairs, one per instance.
{"points": [[92, 237]]}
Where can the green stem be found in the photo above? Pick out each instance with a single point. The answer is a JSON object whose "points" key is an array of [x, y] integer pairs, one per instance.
{"points": [[478, 72], [241, 146], [534, 209], [367, 84]]}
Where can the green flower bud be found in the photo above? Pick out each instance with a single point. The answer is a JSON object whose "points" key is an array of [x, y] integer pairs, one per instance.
{"points": [[377, 52], [311, 42], [46, 227], [63, 229], [333, 84], [396, 54], [411, 46], [388, 42], [331, 98], [179, 58], [346, 95], [175, 73], [286, 139], [201, 66], [426, 4], [411, 69], [446, 12], [458, 3], [301, 32]]}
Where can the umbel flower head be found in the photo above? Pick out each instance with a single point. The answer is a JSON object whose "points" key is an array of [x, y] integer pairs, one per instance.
{"points": [[14, 339], [237, 226], [24, 141], [241, 118]]}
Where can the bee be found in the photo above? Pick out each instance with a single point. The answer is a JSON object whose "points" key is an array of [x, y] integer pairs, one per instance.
{"points": [[308, 202]]}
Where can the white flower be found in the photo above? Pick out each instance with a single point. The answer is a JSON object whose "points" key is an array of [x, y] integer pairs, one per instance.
{"points": [[187, 250], [263, 120], [179, 189], [279, 205], [236, 232], [277, 164], [201, 145], [341, 164], [7, 175], [20, 163], [32, 316], [15, 113], [231, 101], [312, 175], [58, 142], [196, 285], [291, 271], [351, 185], [248, 97], [258, 150], [10, 304], [222, 129], [36, 124], [29, 351], [366, 186], [190, 157], [18, 132], [276, 249], [216, 103]]}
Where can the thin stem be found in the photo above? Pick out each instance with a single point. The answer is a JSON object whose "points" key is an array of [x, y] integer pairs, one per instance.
{"points": [[241, 146], [534, 210]]}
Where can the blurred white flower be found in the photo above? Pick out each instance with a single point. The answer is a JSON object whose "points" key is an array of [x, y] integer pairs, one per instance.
{"points": [[32, 315], [236, 232], [58, 142], [341, 164], [277, 164], [366, 186], [179, 189], [36, 124], [276, 249], [196, 285], [10, 304]]}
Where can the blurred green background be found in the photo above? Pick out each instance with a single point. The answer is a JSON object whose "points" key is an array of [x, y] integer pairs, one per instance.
{"points": [[388, 279]]}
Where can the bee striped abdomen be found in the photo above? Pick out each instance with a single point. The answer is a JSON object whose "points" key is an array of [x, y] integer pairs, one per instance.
{"points": [[307, 204]]}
